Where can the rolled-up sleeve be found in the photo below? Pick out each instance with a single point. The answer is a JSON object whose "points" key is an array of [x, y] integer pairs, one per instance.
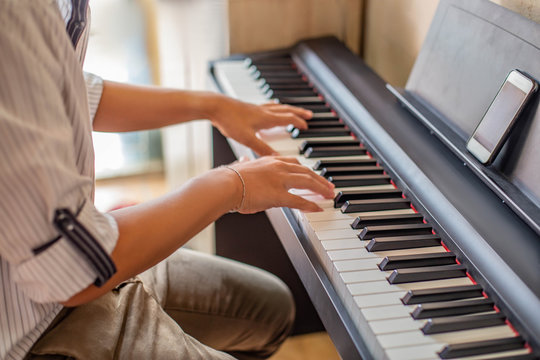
{"points": [[94, 88], [47, 158]]}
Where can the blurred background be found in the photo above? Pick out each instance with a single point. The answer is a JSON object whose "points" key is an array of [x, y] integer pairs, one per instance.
{"points": [[169, 43]]}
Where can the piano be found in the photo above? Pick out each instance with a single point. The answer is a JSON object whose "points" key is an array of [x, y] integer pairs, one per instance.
{"points": [[424, 253]]}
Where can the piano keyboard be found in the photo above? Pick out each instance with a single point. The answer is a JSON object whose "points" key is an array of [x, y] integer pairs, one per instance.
{"points": [[408, 294]]}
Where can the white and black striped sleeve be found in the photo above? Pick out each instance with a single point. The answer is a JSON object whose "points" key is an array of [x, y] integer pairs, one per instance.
{"points": [[46, 157], [94, 89]]}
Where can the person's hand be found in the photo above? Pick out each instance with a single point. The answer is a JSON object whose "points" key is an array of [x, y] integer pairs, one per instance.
{"points": [[241, 121], [268, 180]]}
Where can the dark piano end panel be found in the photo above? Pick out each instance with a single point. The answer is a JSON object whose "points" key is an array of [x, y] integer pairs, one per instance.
{"points": [[252, 240]]}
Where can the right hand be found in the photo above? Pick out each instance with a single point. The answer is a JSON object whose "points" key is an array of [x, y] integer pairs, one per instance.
{"points": [[269, 179]]}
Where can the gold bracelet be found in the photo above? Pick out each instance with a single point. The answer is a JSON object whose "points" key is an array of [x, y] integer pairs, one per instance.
{"points": [[243, 188]]}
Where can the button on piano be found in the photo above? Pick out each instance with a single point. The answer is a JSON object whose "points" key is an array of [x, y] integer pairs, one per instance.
{"points": [[424, 253]]}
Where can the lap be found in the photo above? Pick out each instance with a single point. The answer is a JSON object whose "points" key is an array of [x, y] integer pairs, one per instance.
{"points": [[190, 306]]}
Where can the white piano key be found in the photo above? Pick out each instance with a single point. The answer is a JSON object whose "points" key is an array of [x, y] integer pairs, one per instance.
{"points": [[350, 277], [499, 355], [331, 225], [387, 312], [422, 352], [364, 288], [342, 244], [336, 234], [347, 254], [330, 215], [417, 337], [363, 254], [376, 300], [355, 265]]}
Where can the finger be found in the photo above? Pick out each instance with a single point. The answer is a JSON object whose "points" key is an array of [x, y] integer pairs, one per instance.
{"points": [[282, 119], [298, 202], [259, 146], [306, 181], [289, 160], [284, 108]]}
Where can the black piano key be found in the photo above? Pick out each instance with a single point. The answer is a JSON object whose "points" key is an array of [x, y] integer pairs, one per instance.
{"points": [[369, 232], [458, 323], [451, 308], [324, 115], [326, 143], [329, 151], [400, 276], [485, 347], [356, 170], [319, 124], [271, 67], [317, 108], [274, 81], [274, 60], [343, 196], [320, 132], [352, 206], [402, 242], [442, 294], [289, 74], [417, 260], [321, 164], [302, 86], [301, 100], [289, 93], [372, 220]]}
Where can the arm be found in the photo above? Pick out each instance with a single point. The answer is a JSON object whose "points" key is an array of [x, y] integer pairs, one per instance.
{"points": [[128, 108], [150, 232]]}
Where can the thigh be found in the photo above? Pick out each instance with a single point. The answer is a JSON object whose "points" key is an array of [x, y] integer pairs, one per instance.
{"points": [[126, 323], [225, 304]]}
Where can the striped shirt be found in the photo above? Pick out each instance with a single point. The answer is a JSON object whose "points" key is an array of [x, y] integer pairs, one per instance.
{"points": [[46, 163]]}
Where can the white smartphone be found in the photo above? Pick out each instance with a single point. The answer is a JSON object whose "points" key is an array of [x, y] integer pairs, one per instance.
{"points": [[490, 134]]}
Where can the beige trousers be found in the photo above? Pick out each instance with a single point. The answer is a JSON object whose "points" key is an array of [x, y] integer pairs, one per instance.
{"points": [[190, 306]]}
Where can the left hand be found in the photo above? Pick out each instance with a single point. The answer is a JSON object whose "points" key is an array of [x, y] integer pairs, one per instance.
{"points": [[241, 121]]}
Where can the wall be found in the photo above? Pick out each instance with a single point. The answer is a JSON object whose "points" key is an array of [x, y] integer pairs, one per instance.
{"points": [[256, 25], [395, 29]]}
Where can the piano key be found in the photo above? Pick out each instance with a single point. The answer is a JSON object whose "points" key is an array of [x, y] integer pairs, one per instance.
{"points": [[272, 81], [302, 100], [375, 220], [288, 93], [403, 242], [389, 338], [310, 163], [287, 87], [271, 67], [312, 124], [344, 196], [327, 143], [455, 323], [378, 287], [320, 132], [319, 152], [451, 308], [353, 170], [356, 243], [417, 260], [274, 60], [318, 108], [370, 232], [386, 312], [321, 164], [341, 244], [359, 180], [336, 234], [419, 352], [374, 204], [442, 294], [453, 351], [358, 264], [289, 74], [427, 273]]}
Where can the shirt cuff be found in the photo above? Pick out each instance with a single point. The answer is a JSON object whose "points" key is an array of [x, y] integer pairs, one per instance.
{"points": [[94, 89], [61, 271]]}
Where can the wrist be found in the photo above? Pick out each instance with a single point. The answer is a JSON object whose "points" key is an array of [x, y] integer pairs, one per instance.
{"points": [[236, 189]]}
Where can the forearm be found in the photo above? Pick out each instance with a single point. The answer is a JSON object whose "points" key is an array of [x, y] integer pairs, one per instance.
{"points": [[129, 108], [152, 231]]}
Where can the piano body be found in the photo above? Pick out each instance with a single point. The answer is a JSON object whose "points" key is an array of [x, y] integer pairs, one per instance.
{"points": [[424, 253]]}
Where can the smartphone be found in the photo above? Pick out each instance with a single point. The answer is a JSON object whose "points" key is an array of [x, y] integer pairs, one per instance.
{"points": [[489, 136]]}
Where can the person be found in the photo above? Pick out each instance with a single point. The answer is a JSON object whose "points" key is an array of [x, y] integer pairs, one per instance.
{"points": [[79, 284]]}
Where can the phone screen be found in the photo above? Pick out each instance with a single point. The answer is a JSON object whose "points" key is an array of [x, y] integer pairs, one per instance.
{"points": [[499, 115]]}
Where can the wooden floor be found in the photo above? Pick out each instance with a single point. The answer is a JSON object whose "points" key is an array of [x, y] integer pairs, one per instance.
{"points": [[113, 193]]}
